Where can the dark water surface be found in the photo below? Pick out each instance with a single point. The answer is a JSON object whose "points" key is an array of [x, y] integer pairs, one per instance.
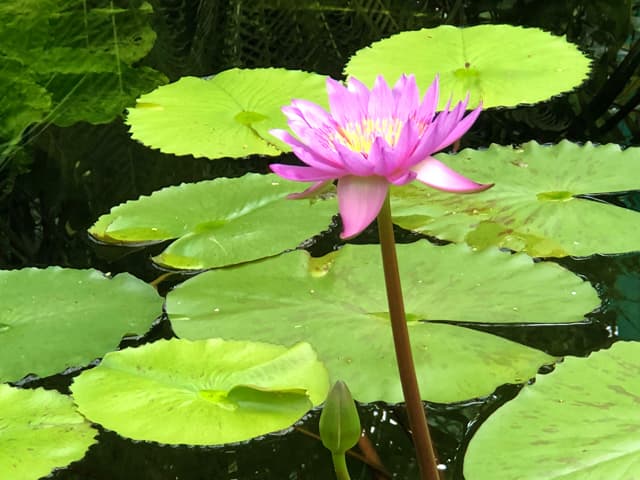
{"points": [[78, 173]]}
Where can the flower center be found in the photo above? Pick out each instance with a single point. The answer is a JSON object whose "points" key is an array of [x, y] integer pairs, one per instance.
{"points": [[358, 136]]}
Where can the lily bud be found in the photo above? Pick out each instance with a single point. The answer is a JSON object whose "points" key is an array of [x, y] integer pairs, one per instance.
{"points": [[339, 422]]}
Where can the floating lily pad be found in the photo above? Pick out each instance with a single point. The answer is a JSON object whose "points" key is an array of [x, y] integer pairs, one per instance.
{"points": [[201, 393], [580, 422], [533, 206], [39, 430], [229, 115], [217, 222], [500, 65], [56, 318], [338, 304]]}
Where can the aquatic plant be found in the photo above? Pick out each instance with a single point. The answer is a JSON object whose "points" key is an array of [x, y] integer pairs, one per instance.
{"points": [[371, 140], [241, 327], [339, 426]]}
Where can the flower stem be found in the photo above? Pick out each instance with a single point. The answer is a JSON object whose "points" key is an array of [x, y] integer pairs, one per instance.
{"points": [[425, 453], [340, 466]]}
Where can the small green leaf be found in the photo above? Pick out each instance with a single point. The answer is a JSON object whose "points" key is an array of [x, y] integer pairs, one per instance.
{"points": [[201, 393], [218, 222], [229, 115], [498, 65], [580, 422], [40, 430], [56, 318]]}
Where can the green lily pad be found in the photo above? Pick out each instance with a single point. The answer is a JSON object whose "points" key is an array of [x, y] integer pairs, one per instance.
{"points": [[337, 303], [579, 422], [39, 430], [56, 318], [201, 393], [500, 65], [218, 222], [229, 115], [533, 205]]}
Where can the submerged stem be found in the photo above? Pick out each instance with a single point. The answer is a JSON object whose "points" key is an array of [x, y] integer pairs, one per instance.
{"points": [[340, 466], [425, 453], [372, 461], [369, 451]]}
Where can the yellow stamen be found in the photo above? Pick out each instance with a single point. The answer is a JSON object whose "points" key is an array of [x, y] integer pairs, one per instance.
{"points": [[359, 136]]}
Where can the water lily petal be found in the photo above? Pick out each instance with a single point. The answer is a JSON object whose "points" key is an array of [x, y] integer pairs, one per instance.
{"points": [[439, 132], [382, 158], [286, 137], [447, 107], [406, 96], [309, 192], [402, 178], [360, 97], [371, 139], [429, 104], [460, 128], [301, 127], [292, 113], [425, 146], [318, 159], [301, 174], [408, 141], [436, 174], [322, 158], [313, 114], [342, 102], [448, 120], [298, 122], [399, 87], [314, 138], [387, 162], [381, 102], [360, 200], [354, 163]]}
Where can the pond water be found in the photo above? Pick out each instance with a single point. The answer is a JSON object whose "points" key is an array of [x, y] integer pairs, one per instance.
{"points": [[65, 177]]}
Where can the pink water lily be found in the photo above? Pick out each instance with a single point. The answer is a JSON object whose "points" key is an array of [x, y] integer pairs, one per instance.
{"points": [[372, 139]]}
